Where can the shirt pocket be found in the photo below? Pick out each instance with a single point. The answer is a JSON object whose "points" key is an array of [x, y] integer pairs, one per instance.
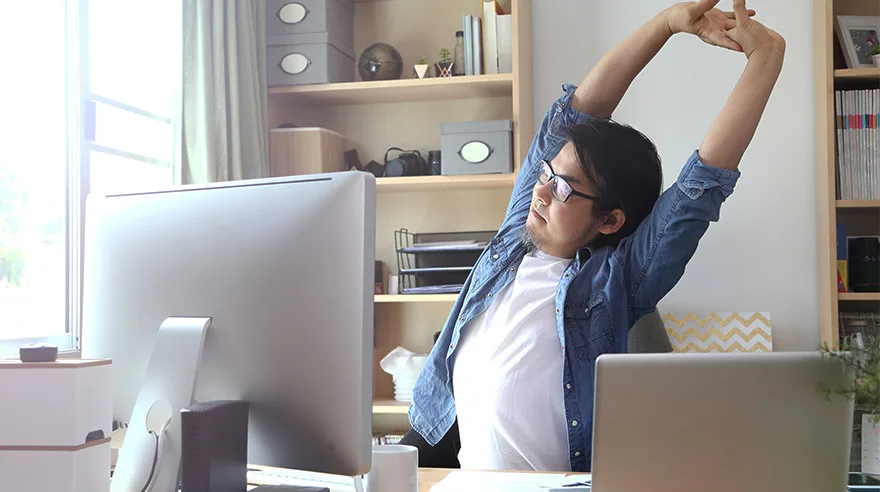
{"points": [[489, 263], [588, 325]]}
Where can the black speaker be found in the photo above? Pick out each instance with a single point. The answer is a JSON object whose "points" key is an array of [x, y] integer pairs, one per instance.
{"points": [[214, 440]]}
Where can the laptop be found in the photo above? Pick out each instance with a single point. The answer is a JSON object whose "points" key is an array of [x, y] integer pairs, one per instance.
{"points": [[732, 422]]}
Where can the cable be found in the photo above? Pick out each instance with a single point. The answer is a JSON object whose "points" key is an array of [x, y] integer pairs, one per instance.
{"points": [[149, 483], [157, 457]]}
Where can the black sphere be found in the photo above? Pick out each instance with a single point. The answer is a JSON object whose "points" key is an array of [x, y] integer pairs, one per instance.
{"points": [[380, 61]]}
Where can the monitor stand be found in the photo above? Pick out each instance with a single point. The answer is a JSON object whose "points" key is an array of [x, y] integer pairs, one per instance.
{"points": [[169, 383]]}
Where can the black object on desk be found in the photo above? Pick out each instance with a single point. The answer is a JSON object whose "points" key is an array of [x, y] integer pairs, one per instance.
{"points": [[213, 454]]}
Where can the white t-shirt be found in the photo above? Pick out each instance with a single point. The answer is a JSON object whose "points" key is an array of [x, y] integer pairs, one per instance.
{"points": [[507, 376]]}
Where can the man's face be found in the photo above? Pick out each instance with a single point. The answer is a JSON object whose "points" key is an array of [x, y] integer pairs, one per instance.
{"points": [[558, 228]]}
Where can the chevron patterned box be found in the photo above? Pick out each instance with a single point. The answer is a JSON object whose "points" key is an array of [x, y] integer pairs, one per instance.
{"points": [[719, 332]]}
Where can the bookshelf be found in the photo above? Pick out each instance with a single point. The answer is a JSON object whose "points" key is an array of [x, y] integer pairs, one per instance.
{"points": [[861, 217], [374, 116]]}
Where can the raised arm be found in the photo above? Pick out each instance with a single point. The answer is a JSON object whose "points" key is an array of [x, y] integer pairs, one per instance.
{"points": [[733, 129], [604, 87]]}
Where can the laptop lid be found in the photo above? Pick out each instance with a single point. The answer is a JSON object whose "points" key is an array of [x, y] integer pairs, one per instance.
{"points": [[729, 422]]}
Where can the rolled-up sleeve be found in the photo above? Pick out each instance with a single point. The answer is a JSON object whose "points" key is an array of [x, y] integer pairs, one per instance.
{"points": [[655, 255], [696, 177]]}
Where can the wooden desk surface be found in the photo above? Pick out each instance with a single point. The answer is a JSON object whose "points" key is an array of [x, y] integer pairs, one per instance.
{"points": [[427, 477]]}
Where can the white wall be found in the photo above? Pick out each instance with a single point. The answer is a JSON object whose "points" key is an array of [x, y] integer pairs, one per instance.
{"points": [[761, 255]]}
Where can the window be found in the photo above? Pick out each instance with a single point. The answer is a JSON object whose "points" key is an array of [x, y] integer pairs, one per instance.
{"points": [[89, 105]]}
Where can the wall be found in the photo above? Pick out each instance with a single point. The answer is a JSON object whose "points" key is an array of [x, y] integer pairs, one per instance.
{"points": [[761, 255]]}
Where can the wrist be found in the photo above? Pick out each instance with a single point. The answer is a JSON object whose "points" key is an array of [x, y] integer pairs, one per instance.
{"points": [[662, 23], [773, 50]]}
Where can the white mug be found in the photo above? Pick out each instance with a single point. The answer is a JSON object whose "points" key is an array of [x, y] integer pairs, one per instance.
{"points": [[394, 468]]}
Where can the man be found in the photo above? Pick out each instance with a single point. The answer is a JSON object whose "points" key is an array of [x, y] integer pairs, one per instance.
{"points": [[588, 247]]}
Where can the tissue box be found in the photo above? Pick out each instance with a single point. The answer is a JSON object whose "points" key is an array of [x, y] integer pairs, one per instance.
{"points": [[55, 425]]}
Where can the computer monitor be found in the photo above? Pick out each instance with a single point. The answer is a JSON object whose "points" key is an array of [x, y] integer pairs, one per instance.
{"points": [[284, 268]]}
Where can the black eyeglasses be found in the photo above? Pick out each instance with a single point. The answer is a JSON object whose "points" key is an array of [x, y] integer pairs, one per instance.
{"points": [[560, 189]]}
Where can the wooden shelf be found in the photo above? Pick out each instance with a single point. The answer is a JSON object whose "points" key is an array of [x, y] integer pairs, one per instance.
{"points": [[386, 405], [858, 203], [857, 73], [859, 296], [404, 90], [449, 183], [410, 298]]}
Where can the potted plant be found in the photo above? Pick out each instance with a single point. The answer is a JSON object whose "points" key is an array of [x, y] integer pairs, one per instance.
{"points": [[875, 55], [861, 359], [420, 69], [444, 66]]}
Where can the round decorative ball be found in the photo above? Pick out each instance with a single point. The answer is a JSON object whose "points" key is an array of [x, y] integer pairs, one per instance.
{"points": [[380, 61]]}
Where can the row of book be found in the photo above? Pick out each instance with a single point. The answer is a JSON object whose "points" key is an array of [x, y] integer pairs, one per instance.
{"points": [[858, 144], [488, 39]]}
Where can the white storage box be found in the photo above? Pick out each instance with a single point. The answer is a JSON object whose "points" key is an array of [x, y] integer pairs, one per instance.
{"points": [[55, 425], [334, 17], [53, 470], [55, 403], [316, 58], [475, 147]]}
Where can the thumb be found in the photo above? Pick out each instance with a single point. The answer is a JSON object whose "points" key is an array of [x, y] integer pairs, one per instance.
{"points": [[697, 9], [740, 12]]}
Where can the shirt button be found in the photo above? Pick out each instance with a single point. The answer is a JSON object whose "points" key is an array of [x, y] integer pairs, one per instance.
{"points": [[489, 295], [461, 319], [568, 386], [587, 311], [574, 423], [557, 310], [567, 275], [577, 453], [495, 256], [512, 269]]}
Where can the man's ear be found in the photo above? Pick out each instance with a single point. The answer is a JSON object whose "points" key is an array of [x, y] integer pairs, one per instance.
{"points": [[612, 222]]}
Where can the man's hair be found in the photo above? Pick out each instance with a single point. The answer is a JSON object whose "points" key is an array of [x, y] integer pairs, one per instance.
{"points": [[624, 169]]}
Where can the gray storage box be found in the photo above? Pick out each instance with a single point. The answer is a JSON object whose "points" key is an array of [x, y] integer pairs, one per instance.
{"points": [[476, 147], [308, 59], [334, 17]]}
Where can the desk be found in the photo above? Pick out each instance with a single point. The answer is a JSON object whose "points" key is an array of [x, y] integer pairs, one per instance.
{"points": [[427, 477]]}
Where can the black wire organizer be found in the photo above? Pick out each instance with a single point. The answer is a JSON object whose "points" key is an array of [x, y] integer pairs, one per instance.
{"points": [[437, 262]]}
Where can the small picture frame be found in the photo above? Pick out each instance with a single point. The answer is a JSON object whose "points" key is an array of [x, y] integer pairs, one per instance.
{"points": [[857, 35]]}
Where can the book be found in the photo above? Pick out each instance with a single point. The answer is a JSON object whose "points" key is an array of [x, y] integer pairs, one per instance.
{"points": [[842, 281], [490, 36], [468, 27], [857, 133], [477, 43], [504, 26]]}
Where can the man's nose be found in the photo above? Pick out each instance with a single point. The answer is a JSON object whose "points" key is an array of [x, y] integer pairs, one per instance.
{"points": [[543, 192]]}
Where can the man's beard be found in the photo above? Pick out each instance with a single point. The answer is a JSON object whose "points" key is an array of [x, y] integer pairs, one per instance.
{"points": [[528, 240]]}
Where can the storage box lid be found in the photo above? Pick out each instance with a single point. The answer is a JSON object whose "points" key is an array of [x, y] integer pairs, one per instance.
{"points": [[309, 38], [476, 127]]}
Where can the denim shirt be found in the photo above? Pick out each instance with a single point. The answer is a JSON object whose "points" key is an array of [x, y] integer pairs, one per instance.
{"points": [[600, 296]]}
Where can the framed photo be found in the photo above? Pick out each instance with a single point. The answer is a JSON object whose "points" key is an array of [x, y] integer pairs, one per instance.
{"points": [[857, 35]]}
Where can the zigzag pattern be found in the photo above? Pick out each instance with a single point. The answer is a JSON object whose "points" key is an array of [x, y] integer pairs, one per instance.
{"points": [[702, 322], [724, 332], [724, 336], [714, 347]]}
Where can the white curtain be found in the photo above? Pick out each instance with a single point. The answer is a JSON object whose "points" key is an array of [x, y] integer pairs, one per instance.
{"points": [[223, 101]]}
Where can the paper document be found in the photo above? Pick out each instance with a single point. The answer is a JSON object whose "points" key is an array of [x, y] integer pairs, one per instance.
{"points": [[478, 481]]}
